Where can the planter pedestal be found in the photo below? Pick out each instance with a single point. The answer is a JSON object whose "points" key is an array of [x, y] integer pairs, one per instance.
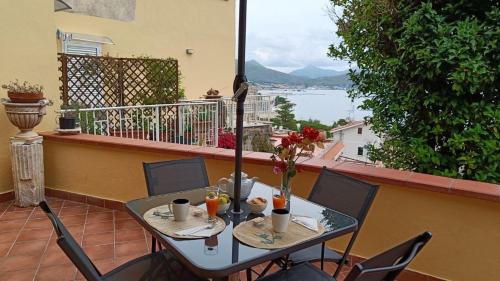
{"points": [[27, 171], [26, 151]]}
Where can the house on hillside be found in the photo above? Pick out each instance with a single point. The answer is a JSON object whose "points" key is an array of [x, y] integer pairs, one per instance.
{"points": [[354, 137]]}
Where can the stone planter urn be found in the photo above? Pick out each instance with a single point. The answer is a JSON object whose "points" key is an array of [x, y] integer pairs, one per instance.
{"points": [[26, 151], [25, 116]]}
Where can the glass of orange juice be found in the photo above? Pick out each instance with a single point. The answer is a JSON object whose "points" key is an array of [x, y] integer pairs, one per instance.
{"points": [[279, 200], [212, 202]]}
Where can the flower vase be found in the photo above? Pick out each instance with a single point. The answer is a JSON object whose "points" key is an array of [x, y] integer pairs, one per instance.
{"points": [[286, 189]]}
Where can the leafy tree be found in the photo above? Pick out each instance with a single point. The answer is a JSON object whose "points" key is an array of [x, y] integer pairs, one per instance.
{"points": [[316, 124], [279, 100], [340, 122], [285, 117], [429, 71]]}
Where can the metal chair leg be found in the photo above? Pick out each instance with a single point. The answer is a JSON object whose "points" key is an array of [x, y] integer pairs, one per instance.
{"points": [[322, 255], [249, 274], [153, 244]]}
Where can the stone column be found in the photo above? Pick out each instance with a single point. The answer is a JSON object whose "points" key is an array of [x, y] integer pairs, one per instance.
{"points": [[27, 171]]}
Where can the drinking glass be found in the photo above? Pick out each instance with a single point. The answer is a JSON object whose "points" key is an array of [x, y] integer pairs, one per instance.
{"points": [[279, 199], [212, 202]]}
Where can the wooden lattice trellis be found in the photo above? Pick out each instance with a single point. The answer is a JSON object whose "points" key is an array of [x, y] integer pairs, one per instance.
{"points": [[93, 81]]}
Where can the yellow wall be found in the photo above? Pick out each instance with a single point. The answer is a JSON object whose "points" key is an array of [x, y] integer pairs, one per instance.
{"points": [[166, 28], [162, 28], [27, 52], [466, 230]]}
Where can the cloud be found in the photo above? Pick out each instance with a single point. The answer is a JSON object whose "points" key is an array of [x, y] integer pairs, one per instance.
{"points": [[291, 33]]}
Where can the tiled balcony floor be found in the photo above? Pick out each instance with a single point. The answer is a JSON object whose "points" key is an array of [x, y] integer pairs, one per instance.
{"points": [[28, 248]]}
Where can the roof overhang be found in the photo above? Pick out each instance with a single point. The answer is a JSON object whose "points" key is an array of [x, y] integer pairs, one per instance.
{"points": [[70, 36]]}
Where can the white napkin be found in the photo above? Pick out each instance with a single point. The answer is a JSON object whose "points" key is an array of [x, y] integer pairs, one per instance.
{"points": [[198, 231], [306, 222]]}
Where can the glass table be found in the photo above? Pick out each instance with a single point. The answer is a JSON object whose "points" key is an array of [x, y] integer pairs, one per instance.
{"points": [[222, 255]]}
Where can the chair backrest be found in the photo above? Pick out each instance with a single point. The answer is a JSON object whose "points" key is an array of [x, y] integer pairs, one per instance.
{"points": [[176, 175], [344, 194], [71, 248], [389, 264]]}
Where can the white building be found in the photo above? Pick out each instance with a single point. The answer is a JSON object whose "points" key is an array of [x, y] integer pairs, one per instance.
{"points": [[355, 137]]}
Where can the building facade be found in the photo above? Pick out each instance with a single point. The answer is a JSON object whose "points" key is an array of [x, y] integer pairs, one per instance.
{"points": [[355, 137], [154, 28]]}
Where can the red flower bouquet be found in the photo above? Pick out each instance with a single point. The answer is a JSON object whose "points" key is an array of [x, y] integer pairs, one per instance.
{"points": [[288, 152]]}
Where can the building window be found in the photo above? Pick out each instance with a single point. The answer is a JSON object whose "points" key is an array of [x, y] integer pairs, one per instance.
{"points": [[360, 151], [360, 131]]}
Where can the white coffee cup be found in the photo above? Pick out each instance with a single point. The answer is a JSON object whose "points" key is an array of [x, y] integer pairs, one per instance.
{"points": [[280, 219], [180, 209]]}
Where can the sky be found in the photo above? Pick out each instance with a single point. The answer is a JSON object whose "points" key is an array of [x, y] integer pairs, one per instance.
{"points": [[290, 34]]}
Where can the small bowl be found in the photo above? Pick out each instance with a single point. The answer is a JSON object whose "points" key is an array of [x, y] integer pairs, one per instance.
{"points": [[257, 208], [221, 209]]}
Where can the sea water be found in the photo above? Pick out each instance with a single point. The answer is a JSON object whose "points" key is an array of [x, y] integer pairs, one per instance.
{"points": [[327, 106]]}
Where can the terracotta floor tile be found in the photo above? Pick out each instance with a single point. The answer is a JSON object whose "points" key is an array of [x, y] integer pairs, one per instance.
{"points": [[96, 209], [75, 229], [34, 234], [129, 235], [19, 262], [73, 220], [130, 248], [99, 217], [14, 208], [15, 216], [4, 248], [55, 258], [94, 239], [69, 203], [100, 252], [12, 225], [124, 259], [38, 223], [30, 248], [105, 265], [98, 227], [60, 273], [41, 214], [8, 237], [73, 210], [127, 224], [120, 215], [20, 275]]}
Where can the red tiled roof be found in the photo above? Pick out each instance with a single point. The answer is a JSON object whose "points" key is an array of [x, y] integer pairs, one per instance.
{"points": [[332, 151], [350, 125]]}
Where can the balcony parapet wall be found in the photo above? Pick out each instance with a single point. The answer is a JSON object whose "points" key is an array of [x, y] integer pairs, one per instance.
{"points": [[458, 187]]}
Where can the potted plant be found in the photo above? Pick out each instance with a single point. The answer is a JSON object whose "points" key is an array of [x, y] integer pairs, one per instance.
{"points": [[23, 93], [68, 116]]}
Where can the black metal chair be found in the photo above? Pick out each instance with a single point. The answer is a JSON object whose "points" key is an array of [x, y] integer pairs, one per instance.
{"points": [[346, 195], [340, 193], [174, 176], [383, 267], [158, 266]]}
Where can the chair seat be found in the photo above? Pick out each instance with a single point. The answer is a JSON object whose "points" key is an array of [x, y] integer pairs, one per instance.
{"points": [[158, 266], [301, 272], [313, 254]]}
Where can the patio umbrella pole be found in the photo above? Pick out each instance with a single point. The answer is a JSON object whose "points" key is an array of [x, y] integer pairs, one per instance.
{"points": [[240, 89]]}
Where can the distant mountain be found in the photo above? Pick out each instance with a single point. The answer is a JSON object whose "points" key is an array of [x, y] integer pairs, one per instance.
{"points": [[262, 75], [314, 72]]}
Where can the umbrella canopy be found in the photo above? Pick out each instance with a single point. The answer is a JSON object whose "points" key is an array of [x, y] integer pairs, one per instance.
{"points": [[240, 88]]}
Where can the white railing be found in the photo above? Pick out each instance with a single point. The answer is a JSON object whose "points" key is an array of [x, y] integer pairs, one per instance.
{"points": [[258, 109], [184, 123]]}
